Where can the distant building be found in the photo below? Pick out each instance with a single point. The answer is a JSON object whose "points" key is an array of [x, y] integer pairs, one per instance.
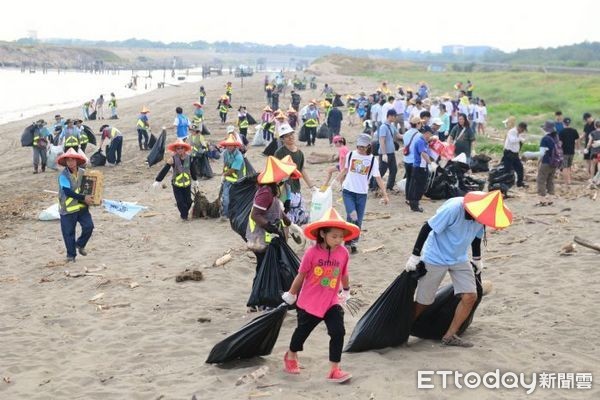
{"points": [[436, 68], [460, 50]]}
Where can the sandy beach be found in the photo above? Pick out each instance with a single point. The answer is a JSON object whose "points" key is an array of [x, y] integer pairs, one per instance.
{"points": [[132, 332]]}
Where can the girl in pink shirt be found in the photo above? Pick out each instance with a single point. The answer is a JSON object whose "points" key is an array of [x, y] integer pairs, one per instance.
{"points": [[340, 143], [324, 269]]}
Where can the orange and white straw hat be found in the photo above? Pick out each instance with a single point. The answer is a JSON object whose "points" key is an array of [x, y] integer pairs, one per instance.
{"points": [[488, 209]]}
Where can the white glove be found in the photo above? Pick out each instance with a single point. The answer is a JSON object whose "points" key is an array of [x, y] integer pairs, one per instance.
{"points": [[411, 264], [384, 158], [432, 167], [289, 298], [195, 185], [585, 151], [156, 185], [344, 296], [478, 264]]}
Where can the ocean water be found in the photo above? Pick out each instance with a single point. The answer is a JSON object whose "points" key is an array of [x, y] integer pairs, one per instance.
{"points": [[25, 94]]}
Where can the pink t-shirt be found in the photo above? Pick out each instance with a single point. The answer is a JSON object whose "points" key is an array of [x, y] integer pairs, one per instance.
{"points": [[324, 271], [342, 153]]}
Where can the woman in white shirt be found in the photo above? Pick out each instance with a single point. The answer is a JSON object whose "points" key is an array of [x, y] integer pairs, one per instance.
{"points": [[359, 167], [481, 117]]}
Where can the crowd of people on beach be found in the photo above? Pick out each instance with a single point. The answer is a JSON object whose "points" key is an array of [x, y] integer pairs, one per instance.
{"points": [[406, 128]]}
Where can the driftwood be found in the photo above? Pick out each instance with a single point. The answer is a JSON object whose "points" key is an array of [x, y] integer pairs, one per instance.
{"points": [[586, 243], [372, 249], [80, 274], [518, 241], [535, 221], [501, 257], [374, 216], [222, 260], [102, 307]]}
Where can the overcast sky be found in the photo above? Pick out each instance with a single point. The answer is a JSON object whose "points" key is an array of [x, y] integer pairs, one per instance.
{"points": [[416, 25]]}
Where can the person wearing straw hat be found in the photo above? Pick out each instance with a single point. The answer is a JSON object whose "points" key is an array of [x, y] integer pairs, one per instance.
{"points": [[142, 128], [322, 273], [223, 106], [69, 137], [72, 205], [268, 127], [41, 138], [198, 114], [292, 117], [311, 122], [234, 168], [267, 216], [184, 176], [242, 124], [443, 244]]}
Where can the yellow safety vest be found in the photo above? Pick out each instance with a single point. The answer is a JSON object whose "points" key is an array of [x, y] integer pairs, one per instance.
{"points": [[198, 144], [234, 177], [83, 138], [243, 124], [311, 123], [223, 108], [183, 179], [71, 140], [69, 205]]}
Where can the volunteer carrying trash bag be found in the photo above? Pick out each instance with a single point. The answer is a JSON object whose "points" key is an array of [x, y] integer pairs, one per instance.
{"points": [[445, 239], [267, 217]]}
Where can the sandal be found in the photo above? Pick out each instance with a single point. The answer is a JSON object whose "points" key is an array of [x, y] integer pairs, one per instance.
{"points": [[455, 340], [290, 366]]}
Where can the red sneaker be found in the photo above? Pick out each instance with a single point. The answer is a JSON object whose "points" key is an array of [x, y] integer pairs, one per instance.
{"points": [[290, 366], [336, 375]]}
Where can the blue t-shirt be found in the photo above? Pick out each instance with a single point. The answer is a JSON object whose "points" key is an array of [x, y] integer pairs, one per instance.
{"points": [[234, 160], [182, 126], [448, 242], [408, 138], [388, 132], [420, 145], [548, 143]]}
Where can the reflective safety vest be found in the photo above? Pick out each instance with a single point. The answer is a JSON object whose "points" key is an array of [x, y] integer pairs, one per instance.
{"points": [[198, 144], [114, 132], [243, 123], [71, 138], [141, 124], [223, 108], [40, 134], [184, 178], [254, 233], [234, 177], [83, 138], [69, 205], [228, 90], [197, 120]]}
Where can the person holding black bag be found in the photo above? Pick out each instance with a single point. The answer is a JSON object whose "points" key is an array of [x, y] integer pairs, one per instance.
{"points": [[409, 137], [386, 133]]}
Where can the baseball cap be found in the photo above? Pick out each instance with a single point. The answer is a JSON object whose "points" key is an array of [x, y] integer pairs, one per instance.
{"points": [[548, 126], [284, 129], [363, 140], [415, 120], [567, 120]]}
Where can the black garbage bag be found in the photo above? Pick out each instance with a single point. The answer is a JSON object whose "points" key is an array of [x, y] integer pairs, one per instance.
{"points": [[502, 187], [457, 168], [435, 320], [501, 174], [27, 136], [98, 159], [249, 168], [388, 321], [275, 275], [250, 119], [92, 116], [256, 338], [151, 141], [202, 167], [90, 134], [205, 130], [323, 131], [271, 148], [337, 101], [480, 163], [241, 198], [470, 184], [444, 185], [303, 135], [158, 151]]}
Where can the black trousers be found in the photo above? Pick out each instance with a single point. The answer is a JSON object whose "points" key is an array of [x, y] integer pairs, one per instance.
{"points": [[417, 186], [334, 320], [392, 166], [512, 160], [311, 133], [223, 116], [183, 197], [113, 154], [143, 134], [408, 175]]}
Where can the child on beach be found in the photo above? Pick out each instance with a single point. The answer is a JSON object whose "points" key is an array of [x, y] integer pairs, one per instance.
{"points": [[323, 270], [340, 143]]}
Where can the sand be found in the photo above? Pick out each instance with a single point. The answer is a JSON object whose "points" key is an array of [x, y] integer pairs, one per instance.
{"points": [[134, 333]]}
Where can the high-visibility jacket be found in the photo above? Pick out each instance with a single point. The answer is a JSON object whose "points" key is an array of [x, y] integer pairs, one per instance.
{"points": [[228, 90], [223, 108], [254, 233], [142, 123], [234, 177], [243, 123], [69, 205], [184, 178], [71, 137], [83, 138], [198, 143]]}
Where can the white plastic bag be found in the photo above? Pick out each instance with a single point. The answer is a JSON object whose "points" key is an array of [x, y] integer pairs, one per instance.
{"points": [[321, 202], [50, 213], [53, 153], [258, 136]]}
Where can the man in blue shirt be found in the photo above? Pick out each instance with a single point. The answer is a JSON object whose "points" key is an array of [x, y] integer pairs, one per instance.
{"points": [[445, 239], [408, 138], [387, 156], [423, 160]]}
